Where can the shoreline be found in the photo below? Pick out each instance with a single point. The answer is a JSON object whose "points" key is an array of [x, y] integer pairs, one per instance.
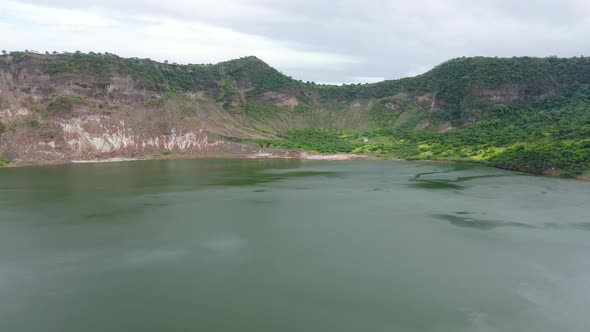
{"points": [[300, 156]]}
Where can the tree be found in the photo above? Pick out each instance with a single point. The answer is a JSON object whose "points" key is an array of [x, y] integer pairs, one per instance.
{"points": [[3, 52]]}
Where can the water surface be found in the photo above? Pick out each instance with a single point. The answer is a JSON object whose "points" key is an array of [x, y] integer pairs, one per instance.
{"points": [[276, 245]]}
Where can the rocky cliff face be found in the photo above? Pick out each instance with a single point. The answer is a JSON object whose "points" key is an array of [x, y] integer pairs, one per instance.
{"points": [[90, 136], [66, 117], [64, 107]]}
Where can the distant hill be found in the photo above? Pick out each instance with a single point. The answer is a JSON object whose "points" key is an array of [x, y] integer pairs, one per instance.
{"points": [[520, 113]]}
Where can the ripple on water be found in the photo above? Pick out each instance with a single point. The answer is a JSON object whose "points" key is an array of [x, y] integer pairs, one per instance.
{"points": [[418, 181], [145, 258], [255, 178], [461, 219], [224, 244], [468, 220], [436, 184]]}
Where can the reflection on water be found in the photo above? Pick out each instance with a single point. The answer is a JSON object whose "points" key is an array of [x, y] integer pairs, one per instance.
{"points": [[232, 245], [468, 220], [452, 183], [583, 226], [472, 222], [115, 212], [152, 257], [435, 184], [257, 177]]}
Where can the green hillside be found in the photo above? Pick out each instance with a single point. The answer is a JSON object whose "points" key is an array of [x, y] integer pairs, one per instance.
{"points": [[518, 113]]}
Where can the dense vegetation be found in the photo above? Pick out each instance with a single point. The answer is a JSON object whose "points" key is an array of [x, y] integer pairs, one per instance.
{"points": [[541, 124], [454, 82], [63, 104], [547, 135], [152, 75], [318, 140]]}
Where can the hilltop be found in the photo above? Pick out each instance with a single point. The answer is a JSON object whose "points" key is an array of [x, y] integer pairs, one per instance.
{"points": [[520, 113]]}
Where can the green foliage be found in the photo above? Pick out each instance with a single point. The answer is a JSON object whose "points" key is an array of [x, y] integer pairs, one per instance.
{"points": [[251, 71], [262, 110], [392, 150], [546, 135], [33, 124], [457, 83], [155, 102], [229, 94], [323, 141], [532, 132], [183, 104], [64, 104], [223, 79], [303, 109], [564, 158], [42, 129], [154, 76], [148, 74], [101, 83], [384, 116], [455, 79]]}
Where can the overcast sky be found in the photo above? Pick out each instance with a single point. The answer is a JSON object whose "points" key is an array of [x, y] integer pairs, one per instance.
{"points": [[323, 41]]}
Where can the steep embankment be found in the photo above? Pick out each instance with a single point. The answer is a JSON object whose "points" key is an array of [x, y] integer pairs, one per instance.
{"points": [[528, 113]]}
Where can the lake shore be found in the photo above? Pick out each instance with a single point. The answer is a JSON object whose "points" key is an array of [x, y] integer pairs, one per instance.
{"points": [[297, 156]]}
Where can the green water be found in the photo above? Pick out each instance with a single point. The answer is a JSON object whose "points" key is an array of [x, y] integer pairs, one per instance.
{"points": [[251, 245]]}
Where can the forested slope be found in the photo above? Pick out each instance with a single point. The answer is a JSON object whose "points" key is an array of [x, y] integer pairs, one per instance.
{"points": [[520, 113]]}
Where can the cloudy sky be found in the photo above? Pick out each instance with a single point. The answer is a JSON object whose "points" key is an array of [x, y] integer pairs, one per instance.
{"points": [[323, 41]]}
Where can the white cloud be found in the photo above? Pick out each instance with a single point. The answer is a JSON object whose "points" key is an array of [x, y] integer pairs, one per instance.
{"points": [[335, 41], [38, 15], [183, 41], [162, 38], [367, 79]]}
